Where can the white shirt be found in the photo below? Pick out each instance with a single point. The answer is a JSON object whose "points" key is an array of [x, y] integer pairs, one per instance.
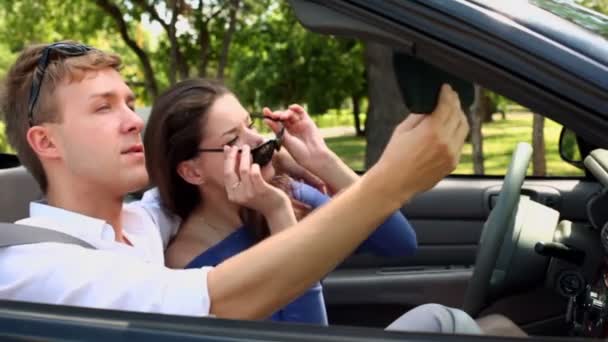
{"points": [[115, 275]]}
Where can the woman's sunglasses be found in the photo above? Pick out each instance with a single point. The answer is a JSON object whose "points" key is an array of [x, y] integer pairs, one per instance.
{"points": [[261, 154], [57, 50]]}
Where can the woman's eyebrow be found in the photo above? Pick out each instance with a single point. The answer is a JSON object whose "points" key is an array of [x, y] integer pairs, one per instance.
{"points": [[262, 116], [234, 130], [230, 131]]}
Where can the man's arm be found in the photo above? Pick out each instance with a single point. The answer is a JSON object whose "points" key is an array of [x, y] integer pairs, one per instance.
{"points": [[56, 273], [269, 275]]}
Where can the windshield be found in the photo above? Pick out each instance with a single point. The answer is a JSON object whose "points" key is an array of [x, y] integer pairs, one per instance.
{"points": [[583, 13]]}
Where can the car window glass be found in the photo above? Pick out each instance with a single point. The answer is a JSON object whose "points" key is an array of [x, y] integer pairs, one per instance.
{"points": [[497, 125], [583, 13]]}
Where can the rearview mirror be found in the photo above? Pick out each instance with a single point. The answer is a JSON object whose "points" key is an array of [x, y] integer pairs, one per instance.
{"points": [[569, 149], [420, 83]]}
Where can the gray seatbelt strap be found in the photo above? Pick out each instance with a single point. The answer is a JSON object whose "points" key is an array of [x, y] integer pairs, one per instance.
{"points": [[17, 234]]}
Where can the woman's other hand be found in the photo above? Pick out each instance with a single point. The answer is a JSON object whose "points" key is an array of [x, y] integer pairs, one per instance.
{"points": [[302, 138], [245, 186]]}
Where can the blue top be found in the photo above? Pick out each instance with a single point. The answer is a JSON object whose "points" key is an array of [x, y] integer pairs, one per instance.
{"points": [[394, 237]]}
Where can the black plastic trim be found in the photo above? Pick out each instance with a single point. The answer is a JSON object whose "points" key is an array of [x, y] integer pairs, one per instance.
{"points": [[40, 321]]}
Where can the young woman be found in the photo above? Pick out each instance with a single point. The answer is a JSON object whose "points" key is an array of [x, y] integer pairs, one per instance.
{"points": [[215, 171]]}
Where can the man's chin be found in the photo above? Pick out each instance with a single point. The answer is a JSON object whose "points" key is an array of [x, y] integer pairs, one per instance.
{"points": [[137, 182]]}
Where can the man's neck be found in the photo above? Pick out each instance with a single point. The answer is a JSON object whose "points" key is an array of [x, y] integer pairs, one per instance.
{"points": [[89, 201]]}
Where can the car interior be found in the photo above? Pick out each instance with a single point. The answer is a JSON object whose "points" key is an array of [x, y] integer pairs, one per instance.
{"points": [[532, 249]]}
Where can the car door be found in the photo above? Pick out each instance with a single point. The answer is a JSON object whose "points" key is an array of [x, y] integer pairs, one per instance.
{"points": [[480, 45], [448, 220]]}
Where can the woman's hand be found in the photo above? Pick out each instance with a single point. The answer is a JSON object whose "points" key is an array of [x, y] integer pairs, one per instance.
{"points": [[302, 138], [245, 186], [304, 142]]}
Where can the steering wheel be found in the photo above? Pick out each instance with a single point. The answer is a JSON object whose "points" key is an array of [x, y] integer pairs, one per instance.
{"points": [[500, 219]]}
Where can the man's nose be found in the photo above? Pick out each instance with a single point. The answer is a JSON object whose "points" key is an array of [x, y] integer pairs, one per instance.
{"points": [[133, 122]]}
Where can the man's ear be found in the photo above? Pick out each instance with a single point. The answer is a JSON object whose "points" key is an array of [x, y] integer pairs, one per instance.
{"points": [[42, 142], [190, 172]]}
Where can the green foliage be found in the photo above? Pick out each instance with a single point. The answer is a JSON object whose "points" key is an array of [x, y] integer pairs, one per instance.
{"points": [[7, 57], [596, 5], [569, 146], [576, 12], [24, 22], [277, 62], [4, 146], [498, 103]]}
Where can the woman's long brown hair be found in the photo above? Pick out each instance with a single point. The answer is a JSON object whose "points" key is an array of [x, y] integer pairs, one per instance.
{"points": [[173, 134]]}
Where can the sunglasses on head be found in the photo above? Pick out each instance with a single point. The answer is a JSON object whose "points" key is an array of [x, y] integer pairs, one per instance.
{"points": [[57, 50], [261, 154]]}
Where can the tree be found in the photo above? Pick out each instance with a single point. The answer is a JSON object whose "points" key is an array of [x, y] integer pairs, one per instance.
{"points": [[227, 40], [300, 66], [387, 107], [356, 103], [176, 57], [86, 23], [116, 13], [189, 49], [539, 162], [477, 113]]}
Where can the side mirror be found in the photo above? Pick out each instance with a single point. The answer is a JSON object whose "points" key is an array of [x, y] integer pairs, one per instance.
{"points": [[569, 149]]}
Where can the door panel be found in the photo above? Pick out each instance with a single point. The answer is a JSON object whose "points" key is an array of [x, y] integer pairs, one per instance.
{"points": [[448, 221]]}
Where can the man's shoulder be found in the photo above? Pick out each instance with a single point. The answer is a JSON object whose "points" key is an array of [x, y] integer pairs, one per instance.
{"points": [[41, 222], [150, 205]]}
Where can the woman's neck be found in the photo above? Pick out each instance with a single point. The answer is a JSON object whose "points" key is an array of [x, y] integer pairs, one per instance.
{"points": [[213, 219]]}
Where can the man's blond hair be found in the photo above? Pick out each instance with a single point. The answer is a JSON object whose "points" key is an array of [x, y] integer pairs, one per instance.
{"points": [[15, 95]]}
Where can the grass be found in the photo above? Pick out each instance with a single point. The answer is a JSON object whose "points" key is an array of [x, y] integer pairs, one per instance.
{"points": [[335, 117], [350, 149], [500, 138]]}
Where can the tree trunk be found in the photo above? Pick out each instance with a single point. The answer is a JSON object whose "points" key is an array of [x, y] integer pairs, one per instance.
{"points": [[539, 163], [177, 62], [487, 107], [386, 102], [203, 40], [173, 57], [476, 115], [234, 6], [356, 112], [116, 14], [172, 33]]}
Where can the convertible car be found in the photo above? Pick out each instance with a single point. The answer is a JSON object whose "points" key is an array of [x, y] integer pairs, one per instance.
{"points": [[531, 249]]}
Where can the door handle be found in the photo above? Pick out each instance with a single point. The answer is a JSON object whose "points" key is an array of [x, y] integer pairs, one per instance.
{"points": [[542, 194]]}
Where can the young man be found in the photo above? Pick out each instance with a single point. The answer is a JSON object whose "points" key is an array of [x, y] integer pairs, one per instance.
{"points": [[70, 117]]}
